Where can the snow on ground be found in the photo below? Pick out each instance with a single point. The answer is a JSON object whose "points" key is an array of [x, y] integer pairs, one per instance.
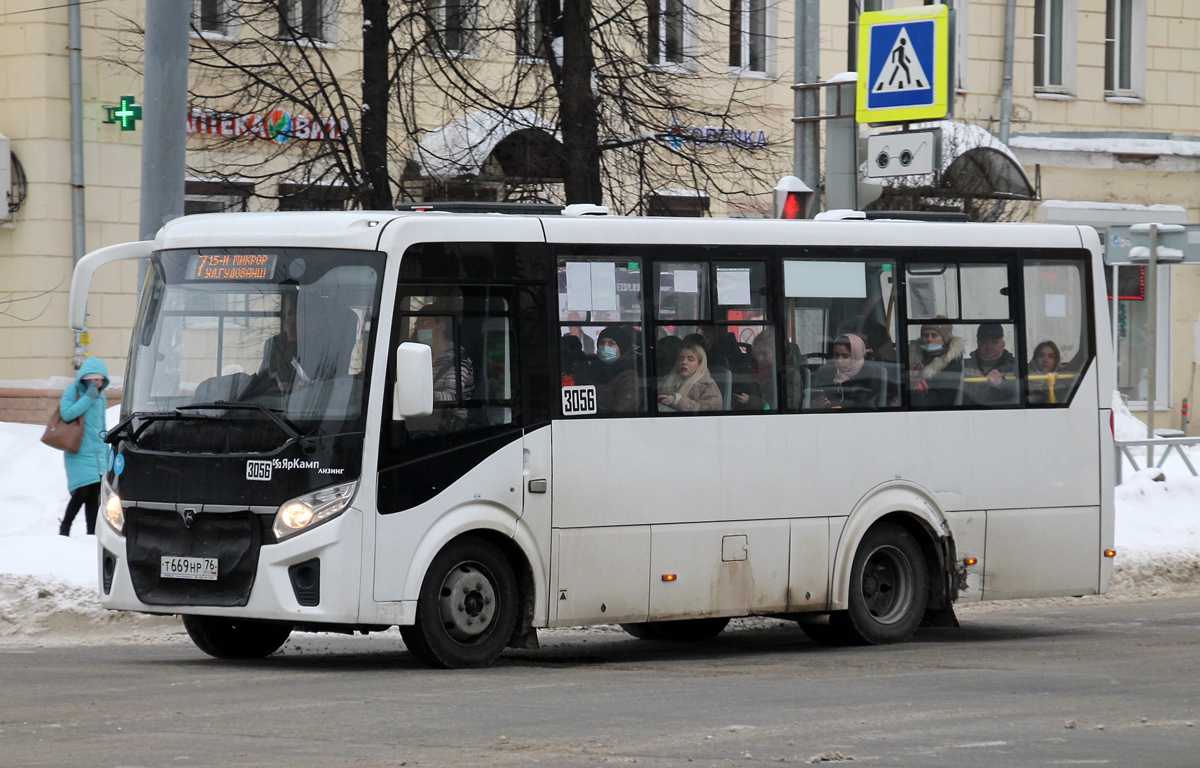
{"points": [[48, 582]]}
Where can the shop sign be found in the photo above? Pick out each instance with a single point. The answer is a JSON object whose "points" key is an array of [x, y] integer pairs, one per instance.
{"points": [[742, 138], [279, 126]]}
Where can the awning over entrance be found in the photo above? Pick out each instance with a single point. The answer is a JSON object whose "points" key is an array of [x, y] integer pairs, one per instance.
{"points": [[522, 143], [975, 164]]}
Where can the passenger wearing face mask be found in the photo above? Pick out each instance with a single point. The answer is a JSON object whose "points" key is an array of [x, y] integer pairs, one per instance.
{"points": [[936, 361], [615, 375], [848, 381], [451, 365]]}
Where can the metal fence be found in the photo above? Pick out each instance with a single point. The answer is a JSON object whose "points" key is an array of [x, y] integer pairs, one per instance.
{"points": [[1168, 444]]}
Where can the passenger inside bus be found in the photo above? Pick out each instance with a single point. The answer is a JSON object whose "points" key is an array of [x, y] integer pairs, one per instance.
{"points": [[451, 366], [1045, 368], [689, 387], [850, 380], [615, 376], [762, 393], [990, 372], [936, 361]]}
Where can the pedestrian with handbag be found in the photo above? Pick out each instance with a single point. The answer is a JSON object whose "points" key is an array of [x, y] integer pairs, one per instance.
{"points": [[86, 467]]}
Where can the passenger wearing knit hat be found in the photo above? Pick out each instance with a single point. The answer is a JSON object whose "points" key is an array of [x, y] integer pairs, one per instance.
{"points": [[616, 375], [936, 365]]}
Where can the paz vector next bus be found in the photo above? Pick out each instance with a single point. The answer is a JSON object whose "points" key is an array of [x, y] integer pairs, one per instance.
{"points": [[473, 426]]}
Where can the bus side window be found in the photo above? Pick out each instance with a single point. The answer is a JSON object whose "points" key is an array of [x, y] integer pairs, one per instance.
{"points": [[1056, 333], [602, 362]]}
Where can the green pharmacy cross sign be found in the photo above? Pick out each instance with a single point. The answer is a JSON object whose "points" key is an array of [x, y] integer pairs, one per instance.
{"points": [[127, 114]]}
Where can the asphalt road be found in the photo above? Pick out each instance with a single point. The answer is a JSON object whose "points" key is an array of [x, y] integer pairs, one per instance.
{"points": [[1086, 683]]}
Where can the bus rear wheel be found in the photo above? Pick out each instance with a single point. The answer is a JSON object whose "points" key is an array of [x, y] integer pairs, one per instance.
{"points": [[224, 638], [889, 588], [683, 631], [467, 609]]}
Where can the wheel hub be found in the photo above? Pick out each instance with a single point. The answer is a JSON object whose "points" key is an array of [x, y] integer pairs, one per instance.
{"points": [[887, 584], [466, 603]]}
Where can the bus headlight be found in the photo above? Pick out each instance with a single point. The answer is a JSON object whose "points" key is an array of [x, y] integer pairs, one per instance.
{"points": [[110, 502], [312, 509]]}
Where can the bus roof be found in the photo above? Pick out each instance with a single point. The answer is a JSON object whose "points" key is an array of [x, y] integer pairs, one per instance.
{"points": [[364, 230]]}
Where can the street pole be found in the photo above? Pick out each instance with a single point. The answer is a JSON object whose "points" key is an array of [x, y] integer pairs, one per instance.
{"points": [[1152, 340], [807, 135], [164, 142]]}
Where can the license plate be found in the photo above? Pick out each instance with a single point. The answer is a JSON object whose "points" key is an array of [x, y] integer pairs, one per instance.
{"points": [[202, 568]]}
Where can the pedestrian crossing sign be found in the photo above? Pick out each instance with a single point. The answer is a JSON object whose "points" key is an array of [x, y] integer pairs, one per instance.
{"points": [[904, 65]]}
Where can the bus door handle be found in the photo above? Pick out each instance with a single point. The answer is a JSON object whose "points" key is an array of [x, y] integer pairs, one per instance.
{"points": [[537, 486]]}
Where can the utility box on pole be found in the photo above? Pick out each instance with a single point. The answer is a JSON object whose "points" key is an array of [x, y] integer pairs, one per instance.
{"points": [[5, 177]]}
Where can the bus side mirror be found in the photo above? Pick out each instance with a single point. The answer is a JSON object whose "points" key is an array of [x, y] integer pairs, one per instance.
{"points": [[413, 395]]}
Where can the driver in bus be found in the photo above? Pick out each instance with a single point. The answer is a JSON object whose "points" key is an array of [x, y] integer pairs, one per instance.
{"points": [[435, 331]]}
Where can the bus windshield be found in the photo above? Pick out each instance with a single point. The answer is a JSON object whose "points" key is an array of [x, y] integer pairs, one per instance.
{"points": [[277, 341]]}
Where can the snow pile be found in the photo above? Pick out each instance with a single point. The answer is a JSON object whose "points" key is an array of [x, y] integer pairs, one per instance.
{"points": [[48, 582]]}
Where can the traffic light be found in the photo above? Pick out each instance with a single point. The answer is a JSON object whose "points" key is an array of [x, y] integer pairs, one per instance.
{"points": [[793, 198]]}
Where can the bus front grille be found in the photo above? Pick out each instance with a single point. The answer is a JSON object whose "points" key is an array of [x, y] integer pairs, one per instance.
{"points": [[234, 539]]}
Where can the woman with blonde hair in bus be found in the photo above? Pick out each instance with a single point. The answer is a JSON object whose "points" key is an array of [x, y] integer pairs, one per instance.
{"points": [[936, 365], [689, 387]]}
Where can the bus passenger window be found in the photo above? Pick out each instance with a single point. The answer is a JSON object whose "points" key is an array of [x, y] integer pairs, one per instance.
{"points": [[602, 364], [1055, 307], [841, 334]]}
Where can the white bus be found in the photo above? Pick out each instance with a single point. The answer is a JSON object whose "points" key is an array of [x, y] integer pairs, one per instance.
{"points": [[473, 426]]}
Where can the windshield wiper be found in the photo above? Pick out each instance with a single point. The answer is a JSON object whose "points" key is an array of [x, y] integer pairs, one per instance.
{"points": [[113, 435], [289, 428]]}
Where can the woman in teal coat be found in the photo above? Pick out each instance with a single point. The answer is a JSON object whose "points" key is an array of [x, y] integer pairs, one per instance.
{"points": [[85, 469]]}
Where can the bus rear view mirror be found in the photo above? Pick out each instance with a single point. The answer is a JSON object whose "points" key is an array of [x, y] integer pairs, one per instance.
{"points": [[413, 395]]}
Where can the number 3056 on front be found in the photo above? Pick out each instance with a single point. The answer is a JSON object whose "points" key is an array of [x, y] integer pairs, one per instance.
{"points": [[201, 568]]}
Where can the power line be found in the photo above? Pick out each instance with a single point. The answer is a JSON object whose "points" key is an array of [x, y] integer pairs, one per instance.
{"points": [[52, 7]]}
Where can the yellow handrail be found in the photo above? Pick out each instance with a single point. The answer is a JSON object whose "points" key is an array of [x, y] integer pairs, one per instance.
{"points": [[1050, 377]]}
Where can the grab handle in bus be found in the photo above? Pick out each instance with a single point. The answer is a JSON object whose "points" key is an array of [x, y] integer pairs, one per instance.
{"points": [[413, 395]]}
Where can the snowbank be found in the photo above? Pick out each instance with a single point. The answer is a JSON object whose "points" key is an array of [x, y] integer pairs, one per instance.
{"points": [[48, 582]]}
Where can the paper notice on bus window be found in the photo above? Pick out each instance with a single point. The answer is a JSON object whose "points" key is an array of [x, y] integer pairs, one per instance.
{"points": [[733, 287], [1056, 305], [604, 286], [687, 281], [579, 286]]}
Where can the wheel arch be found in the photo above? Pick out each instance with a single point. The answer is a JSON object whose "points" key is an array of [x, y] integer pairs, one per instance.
{"points": [[917, 511], [497, 526]]}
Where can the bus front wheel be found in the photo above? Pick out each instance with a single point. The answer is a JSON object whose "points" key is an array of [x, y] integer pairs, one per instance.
{"points": [[236, 638], [467, 609]]}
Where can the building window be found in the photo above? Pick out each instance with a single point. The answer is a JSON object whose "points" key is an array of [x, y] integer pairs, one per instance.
{"points": [[216, 196], [537, 20], [748, 36], [1125, 49], [311, 20], [213, 17], [299, 196], [857, 8], [670, 30], [453, 25], [1054, 33], [677, 202]]}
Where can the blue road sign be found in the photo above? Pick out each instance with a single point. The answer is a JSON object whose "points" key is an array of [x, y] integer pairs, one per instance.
{"points": [[904, 65]]}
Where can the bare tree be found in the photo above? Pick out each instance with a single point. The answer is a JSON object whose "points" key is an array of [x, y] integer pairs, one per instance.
{"points": [[599, 101]]}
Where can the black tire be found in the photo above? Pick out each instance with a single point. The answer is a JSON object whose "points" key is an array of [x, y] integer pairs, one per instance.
{"points": [[224, 638], [467, 609], [682, 631], [889, 589]]}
